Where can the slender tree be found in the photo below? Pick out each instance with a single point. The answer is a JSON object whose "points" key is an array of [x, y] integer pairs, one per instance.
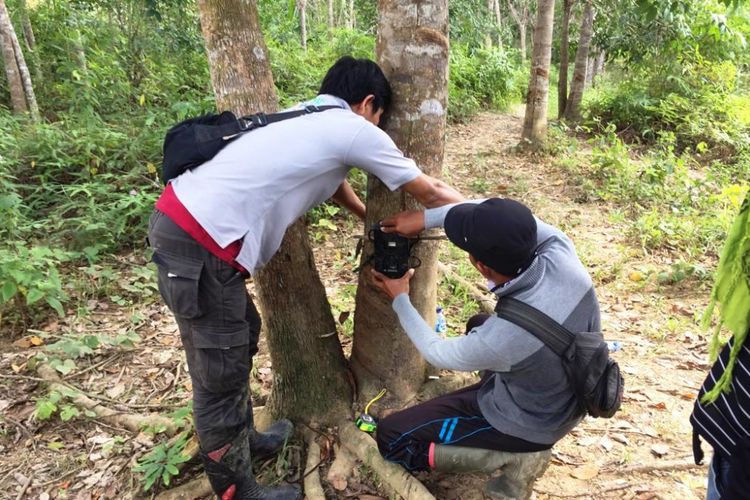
{"points": [[412, 49], [310, 380], [331, 17], [562, 81], [10, 38], [30, 39], [535, 119], [520, 12], [573, 107], [302, 6], [590, 69], [499, 22], [12, 72]]}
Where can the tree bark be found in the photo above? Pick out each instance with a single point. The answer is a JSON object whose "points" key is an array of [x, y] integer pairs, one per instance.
{"points": [[352, 18], [562, 81], [331, 20], [412, 49], [12, 72], [310, 378], [573, 107], [23, 70], [535, 119]]}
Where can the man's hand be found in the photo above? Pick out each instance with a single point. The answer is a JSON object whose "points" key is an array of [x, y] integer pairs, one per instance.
{"points": [[409, 223], [393, 287]]}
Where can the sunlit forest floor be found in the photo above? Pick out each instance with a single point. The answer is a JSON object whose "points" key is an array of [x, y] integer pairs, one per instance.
{"points": [[644, 452]]}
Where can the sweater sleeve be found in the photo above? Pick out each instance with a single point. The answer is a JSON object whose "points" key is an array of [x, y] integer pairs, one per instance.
{"points": [[464, 353], [435, 217]]}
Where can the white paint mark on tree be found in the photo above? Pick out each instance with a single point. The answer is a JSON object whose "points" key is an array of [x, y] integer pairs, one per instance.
{"points": [[259, 53], [431, 107]]}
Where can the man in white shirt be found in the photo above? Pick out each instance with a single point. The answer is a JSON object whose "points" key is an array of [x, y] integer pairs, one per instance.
{"points": [[223, 221]]}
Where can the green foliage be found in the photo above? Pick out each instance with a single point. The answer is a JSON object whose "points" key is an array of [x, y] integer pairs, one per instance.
{"points": [[161, 463], [673, 202], [482, 79]]}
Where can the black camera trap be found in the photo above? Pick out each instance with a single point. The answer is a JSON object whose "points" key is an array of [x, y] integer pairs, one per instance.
{"points": [[392, 252]]}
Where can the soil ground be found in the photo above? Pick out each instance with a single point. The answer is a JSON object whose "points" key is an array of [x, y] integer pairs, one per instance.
{"points": [[644, 452]]}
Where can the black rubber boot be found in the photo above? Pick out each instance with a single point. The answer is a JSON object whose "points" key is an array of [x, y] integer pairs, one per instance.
{"points": [[230, 473], [267, 444]]}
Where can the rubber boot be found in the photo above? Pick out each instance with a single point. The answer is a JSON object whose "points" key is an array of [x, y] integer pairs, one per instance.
{"points": [[519, 470], [267, 444], [230, 473], [517, 481], [458, 459]]}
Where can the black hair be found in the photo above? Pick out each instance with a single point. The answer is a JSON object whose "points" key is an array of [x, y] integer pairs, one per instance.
{"points": [[354, 79]]}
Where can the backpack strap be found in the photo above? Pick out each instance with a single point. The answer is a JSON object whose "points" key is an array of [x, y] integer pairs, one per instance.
{"points": [[553, 334], [250, 122]]}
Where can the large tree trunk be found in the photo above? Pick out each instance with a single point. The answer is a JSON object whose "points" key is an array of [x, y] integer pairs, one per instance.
{"points": [[573, 107], [535, 119], [9, 37], [12, 73], [562, 81], [412, 49], [310, 378]]}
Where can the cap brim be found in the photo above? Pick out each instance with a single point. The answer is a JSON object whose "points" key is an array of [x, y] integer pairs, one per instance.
{"points": [[458, 222]]}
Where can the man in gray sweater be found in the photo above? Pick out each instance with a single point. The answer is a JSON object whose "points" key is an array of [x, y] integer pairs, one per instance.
{"points": [[524, 402]]}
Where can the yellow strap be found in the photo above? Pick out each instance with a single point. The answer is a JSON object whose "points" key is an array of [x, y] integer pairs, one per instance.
{"points": [[380, 395]]}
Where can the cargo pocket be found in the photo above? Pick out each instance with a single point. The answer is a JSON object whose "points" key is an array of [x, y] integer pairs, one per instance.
{"points": [[179, 279], [222, 357]]}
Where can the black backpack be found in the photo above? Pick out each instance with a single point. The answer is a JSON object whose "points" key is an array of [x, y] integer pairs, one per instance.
{"points": [[596, 379], [197, 140]]}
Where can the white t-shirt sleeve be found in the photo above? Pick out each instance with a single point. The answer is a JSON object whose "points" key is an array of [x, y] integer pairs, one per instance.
{"points": [[374, 151]]}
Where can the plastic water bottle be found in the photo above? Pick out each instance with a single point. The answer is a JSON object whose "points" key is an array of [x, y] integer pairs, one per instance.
{"points": [[440, 324], [613, 345]]}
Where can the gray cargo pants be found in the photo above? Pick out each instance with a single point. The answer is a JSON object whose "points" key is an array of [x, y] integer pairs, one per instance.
{"points": [[219, 326]]}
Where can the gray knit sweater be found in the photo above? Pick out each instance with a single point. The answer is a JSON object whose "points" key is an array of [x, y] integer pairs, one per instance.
{"points": [[528, 396]]}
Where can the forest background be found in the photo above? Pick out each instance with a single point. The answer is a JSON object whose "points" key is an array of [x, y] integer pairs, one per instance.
{"points": [[91, 86]]}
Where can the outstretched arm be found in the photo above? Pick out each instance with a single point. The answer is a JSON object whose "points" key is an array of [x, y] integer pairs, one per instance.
{"points": [[432, 192], [347, 198]]}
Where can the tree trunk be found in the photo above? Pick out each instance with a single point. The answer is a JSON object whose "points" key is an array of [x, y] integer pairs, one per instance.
{"points": [[302, 4], [12, 73], [310, 379], [590, 70], [352, 18], [600, 63], [562, 81], [499, 21], [23, 69], [573, 107], [331, 21], [30, 40], [535, 119], [522, 19], [412, 49]]}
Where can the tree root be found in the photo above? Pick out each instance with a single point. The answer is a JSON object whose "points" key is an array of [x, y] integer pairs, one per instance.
{"points": [[313, 487], [486, 304], [130, 421], [197, 488], [363, 446]]}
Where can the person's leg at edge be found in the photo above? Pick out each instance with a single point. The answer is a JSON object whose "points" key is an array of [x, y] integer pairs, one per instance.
{"points": [[219, 328]]}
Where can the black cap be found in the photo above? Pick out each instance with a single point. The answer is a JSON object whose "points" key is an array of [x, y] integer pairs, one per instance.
{"points": [[500, 233]]}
